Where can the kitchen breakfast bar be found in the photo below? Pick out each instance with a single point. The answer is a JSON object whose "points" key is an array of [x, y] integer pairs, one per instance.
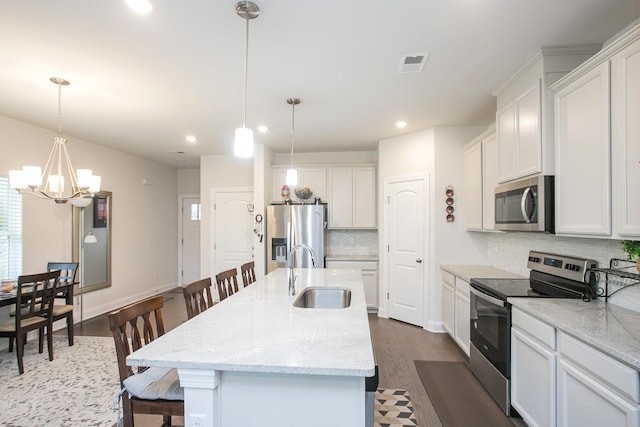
{"points": [[255, 359]]}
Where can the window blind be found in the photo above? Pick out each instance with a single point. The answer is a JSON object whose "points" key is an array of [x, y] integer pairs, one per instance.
{"points": [[10, 231]]}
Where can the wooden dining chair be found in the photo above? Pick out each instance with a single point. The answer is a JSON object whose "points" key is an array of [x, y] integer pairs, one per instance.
{"points": [[248, 273], [197, 297], [144, 390], [34, 305], [64, 310], [227, 282]]}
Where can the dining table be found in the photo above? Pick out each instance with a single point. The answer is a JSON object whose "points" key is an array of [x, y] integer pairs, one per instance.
{"points": [[9, 298]]}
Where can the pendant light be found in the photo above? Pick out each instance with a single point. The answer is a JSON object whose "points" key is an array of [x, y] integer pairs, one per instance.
{"points": [[30, 179], [292, 174], [243, 145]]}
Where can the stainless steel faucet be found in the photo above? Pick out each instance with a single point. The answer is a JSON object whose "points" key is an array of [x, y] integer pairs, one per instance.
{"points": [[292, 279]]}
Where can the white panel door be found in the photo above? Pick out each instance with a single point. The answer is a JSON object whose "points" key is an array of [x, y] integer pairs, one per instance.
{"points": [[489, 181], [405, 243], [233, 225], [190, 240], [506, 134], [340, 197], [529, 147], [473, 180]]}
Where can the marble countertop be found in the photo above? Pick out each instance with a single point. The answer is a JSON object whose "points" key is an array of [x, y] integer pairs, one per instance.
{"points": [[259, 330], [611, 329], [352, 258], [468, 272]]}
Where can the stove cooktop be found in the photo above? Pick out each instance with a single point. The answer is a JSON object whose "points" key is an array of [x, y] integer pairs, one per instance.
{"points": [[504, 288]]}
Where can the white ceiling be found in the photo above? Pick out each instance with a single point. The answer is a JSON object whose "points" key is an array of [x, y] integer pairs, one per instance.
{"points": [[141, 83]]}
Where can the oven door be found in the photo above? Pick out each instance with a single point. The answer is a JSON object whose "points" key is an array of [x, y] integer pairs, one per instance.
{"points": [[490, 329]]}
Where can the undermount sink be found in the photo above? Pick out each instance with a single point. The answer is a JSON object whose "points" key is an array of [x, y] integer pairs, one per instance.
{"points": [[323, 298]]}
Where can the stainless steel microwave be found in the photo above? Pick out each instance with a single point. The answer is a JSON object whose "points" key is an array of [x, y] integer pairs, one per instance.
{"points": [[526, 205]]}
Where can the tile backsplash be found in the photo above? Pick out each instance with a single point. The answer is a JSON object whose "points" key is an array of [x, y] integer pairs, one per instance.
{"points": [[509, 251], [353, 242]]}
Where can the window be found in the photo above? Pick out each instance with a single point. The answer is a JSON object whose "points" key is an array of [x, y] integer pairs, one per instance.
{"points": [[10, 231], [195, 212]]}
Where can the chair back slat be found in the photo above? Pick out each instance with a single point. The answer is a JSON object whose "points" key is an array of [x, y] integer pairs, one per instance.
{"points": [[248, 273], [197, 297], [34, 295], [144, 321], [227, 282]]}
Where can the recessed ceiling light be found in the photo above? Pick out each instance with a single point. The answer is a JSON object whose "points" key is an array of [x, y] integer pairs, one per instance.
{"points": [[190, 138], [401, 124], [140, 6], [263, 129]]}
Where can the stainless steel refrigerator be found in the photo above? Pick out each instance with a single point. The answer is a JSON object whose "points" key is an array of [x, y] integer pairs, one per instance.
{"points": [[290, 225]]}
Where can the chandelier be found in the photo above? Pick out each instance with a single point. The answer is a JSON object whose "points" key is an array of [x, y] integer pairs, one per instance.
{"points": [[83, 184], [243, 144]]}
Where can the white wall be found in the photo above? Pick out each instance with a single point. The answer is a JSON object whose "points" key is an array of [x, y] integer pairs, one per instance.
{"points": [[188, 181], [218, 172], [437, 153], [144, 221]]}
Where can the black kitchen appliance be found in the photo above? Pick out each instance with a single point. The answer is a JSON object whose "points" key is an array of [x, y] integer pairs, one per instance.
{"points": [[551, 276]]}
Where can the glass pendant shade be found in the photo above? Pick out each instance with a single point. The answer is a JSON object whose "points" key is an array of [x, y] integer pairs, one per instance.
{"points": [[292, 177], [243, 145]]}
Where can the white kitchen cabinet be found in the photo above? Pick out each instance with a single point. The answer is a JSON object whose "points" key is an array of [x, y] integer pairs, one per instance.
{"points": [[533, 370], [456, 309], [313, 177], [519, 128], [626, 138], [448, 302], [583, 183], [369, 270], [593, 388], [481, 177], [524, 118], [351, 193]]}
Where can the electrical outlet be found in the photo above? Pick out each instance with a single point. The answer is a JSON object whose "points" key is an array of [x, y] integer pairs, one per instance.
{"points": [[197, 420]]}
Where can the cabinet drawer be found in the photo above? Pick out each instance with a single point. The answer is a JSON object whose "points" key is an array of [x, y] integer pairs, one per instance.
{"points": [[462, 286], [617, 375], [537, 329], [449, 278]]}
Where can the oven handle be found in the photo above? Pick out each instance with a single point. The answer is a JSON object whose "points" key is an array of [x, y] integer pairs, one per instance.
{"points": [[492, 300]]}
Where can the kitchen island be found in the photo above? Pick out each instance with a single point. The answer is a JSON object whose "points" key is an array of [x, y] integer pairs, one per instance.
{"points": [[256, 360]]}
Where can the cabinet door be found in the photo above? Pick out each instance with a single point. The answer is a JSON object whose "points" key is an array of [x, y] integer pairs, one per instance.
{"points": [[583, 190], [315, 179], [584, 402], [370, 281], [529, 131], [506, 133], [278, 179], [340, 200], [364, 198], [626, 137], [448, 308], [489, 181], [533, 380], [473, 179], [462, 316]]}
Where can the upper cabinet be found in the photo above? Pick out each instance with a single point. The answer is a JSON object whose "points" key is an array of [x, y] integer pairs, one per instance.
{"points": [[313, 177], [481, 178], [597, 149], [524, 120]]}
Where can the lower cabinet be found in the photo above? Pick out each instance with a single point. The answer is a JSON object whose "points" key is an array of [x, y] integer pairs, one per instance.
{"points": [[557, 380], [369, 277], [456, 309]]}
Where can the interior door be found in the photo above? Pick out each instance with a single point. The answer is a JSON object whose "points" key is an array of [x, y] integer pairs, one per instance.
{"points": [[190, 240], [233, 225], [405, 243]]}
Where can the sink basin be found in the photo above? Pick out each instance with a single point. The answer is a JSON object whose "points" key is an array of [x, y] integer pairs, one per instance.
{"points": [[323, 298]]}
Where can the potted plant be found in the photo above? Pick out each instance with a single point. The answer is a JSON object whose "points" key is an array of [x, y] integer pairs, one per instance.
{"points": [[632, 249]]}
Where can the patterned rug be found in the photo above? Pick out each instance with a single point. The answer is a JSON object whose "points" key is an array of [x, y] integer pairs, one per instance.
{"points": [[393, 408], [75, 389]]}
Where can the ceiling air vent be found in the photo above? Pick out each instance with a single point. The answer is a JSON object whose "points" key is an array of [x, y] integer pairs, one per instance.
{"points": [[413, 63]]}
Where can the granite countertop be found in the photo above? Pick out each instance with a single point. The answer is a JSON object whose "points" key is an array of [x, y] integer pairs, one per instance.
{"points": [[611, 329], [468, 272], [259, 330], [352, 258]]}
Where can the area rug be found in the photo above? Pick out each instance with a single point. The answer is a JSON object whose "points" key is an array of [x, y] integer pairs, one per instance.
{"points": [[458, 397], [393, 408], [75, 389]]}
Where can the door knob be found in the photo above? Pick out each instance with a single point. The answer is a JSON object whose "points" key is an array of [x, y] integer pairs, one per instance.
{"points": [[419, 260]]}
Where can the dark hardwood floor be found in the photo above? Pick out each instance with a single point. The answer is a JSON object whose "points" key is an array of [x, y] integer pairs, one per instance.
{"points": [[396, 346]]}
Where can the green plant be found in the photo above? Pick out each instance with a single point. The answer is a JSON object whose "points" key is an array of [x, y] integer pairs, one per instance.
{"points": [[631, 248]]}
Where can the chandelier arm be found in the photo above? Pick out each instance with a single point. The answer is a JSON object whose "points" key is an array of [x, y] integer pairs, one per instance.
{"points": [[49, 165], [72, 175]]}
